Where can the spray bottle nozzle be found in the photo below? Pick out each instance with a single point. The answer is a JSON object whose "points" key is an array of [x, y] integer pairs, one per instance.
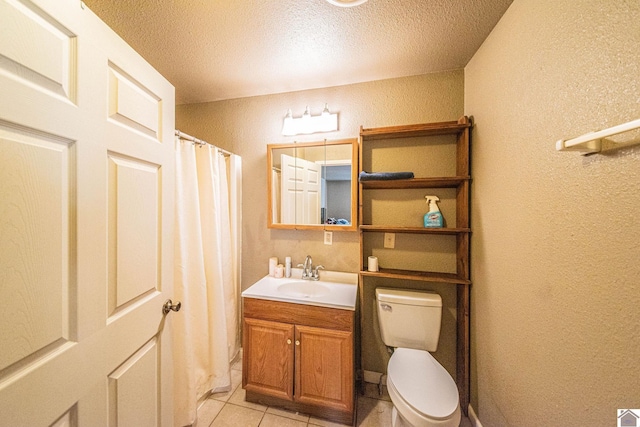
{"points": [[431, 200]]}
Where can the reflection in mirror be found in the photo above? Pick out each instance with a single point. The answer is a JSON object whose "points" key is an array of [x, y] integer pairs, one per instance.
{"points": [[312, 185], [336, 185]]}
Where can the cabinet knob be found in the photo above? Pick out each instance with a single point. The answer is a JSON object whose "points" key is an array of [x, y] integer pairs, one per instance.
{"points": [[288, 341], [297, 342]]}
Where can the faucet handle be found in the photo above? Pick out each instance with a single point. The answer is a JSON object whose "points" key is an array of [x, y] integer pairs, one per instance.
{"points": [[316, 275]]}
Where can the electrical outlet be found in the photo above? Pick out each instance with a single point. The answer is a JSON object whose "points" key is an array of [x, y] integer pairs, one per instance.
{"points": [[390, 240], [328, 237]]}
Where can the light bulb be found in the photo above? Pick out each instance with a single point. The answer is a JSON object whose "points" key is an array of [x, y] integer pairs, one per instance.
{"points": [[346, 3], [288, 127]]}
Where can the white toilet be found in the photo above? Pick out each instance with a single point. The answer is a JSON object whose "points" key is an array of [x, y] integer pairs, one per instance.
{"points": [[422, 391]]}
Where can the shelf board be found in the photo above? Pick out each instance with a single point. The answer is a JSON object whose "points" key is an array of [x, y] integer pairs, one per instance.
{"points": [[436, 182], [409, 131], [412, 230], [423, 276]]}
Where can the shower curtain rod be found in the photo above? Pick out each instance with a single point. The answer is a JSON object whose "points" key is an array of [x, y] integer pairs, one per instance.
{"points": [[184, 136]]}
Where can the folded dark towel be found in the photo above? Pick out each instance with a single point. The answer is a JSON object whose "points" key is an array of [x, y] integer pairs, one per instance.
{"points": [[384, 176]]}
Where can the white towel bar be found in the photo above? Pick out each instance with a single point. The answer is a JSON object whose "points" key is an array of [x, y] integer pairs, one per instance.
{"points": [[591, 142]]}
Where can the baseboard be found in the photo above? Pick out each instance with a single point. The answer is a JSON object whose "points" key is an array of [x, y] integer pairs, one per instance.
{"points": [[374, 377], [475, 421]]}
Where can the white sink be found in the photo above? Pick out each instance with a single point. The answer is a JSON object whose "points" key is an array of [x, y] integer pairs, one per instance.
{"points": [[304, 289], [335, 289]]}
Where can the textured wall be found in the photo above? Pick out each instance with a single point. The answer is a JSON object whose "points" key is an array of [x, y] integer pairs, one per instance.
{"points": [[245, 126], [556, 236]]}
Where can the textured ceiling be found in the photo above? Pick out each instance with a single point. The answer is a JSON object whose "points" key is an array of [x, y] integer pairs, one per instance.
{"points": [[222, 49]]}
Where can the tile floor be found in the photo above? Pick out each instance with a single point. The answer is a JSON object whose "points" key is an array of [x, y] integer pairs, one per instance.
{"points": [[231, 410]]}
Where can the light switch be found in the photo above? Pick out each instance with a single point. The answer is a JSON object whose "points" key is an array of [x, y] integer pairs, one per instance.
{"points": [[390, 240]]}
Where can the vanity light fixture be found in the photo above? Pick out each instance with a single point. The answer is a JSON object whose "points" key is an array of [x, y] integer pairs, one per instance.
{"points": [[308, 124], [346, 3]]}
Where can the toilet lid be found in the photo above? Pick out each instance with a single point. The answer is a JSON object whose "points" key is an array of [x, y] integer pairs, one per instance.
{"points": [[423, 383]]}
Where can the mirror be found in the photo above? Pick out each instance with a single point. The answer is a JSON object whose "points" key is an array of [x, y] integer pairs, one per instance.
{"points": [[312, 185]]}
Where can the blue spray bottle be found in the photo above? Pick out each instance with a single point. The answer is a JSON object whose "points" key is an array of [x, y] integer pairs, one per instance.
{"points": [[433, 218]]}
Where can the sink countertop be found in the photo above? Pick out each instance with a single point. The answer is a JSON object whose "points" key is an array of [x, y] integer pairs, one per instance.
{"points": [[343, 289]]}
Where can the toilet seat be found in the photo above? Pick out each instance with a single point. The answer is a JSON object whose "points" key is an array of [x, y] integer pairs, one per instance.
{"points": [[423, 390]]}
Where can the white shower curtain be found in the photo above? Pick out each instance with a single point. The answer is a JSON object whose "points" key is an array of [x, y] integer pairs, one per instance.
{"points": [[205, 333]]}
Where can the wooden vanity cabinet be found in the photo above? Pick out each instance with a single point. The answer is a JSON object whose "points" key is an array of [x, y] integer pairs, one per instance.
{"points": [[299, 357]]}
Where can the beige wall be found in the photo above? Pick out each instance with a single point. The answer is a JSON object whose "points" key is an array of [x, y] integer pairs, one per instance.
{"points": [[245, 126], [555, 246]]}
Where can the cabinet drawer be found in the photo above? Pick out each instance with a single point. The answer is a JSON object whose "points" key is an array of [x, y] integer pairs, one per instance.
{"points": [[299, 314]]}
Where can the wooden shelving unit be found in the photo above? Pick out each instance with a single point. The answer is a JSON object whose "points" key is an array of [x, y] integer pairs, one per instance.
{"points": [[461, 232]]}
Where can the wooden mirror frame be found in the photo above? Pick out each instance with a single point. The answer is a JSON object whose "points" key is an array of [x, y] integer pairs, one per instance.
{"points": [[353, 226]]}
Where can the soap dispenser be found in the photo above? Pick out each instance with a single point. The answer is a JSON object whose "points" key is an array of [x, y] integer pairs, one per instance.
{"points": [[433, 218]]}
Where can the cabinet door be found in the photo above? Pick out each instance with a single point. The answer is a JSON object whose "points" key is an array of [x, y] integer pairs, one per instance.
{"points": [[268, 358], [324, 368]]}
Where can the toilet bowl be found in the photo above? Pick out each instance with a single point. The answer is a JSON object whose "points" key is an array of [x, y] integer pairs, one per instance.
{"points": [[422, 391]]}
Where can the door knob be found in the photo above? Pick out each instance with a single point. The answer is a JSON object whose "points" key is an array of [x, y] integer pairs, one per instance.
{"points": [[288, 341], [170, 306]]}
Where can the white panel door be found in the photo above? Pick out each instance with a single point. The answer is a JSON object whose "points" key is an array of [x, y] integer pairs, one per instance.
{"points": [[86, 218], [291, 185], [300, 195], [311, 192]]}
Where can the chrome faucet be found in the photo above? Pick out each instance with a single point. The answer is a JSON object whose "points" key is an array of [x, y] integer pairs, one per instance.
{"points": [[308, 272]]}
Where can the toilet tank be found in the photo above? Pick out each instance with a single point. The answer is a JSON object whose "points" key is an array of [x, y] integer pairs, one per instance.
{"points": [[409, 319]]}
